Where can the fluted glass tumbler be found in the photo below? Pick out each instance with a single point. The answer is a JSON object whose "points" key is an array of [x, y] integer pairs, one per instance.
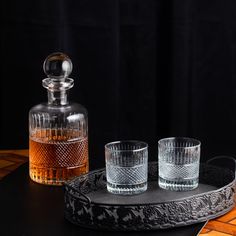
{"points": [[126, 167], [178, 161]]}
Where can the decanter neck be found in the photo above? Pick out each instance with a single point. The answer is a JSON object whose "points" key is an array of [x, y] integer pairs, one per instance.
{"points": [[58, 90], [58, 97]]}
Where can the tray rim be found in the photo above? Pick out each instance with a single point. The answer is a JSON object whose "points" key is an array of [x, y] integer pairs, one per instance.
{"points": [[67, 184], [182, 224], [82, 211]]}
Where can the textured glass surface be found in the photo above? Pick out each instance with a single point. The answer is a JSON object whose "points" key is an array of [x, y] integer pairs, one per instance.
{"points": [[58, 129], [126, 167], [178, 163]]}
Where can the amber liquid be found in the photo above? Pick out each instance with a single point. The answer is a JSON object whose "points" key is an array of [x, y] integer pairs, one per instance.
{"points": [[55, 159]]}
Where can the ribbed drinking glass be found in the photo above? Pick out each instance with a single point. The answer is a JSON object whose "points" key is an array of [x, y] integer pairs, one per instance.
{"points": [[178, 160], [126, 167]]}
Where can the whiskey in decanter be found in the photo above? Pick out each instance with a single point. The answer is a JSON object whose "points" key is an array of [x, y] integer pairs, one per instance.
{"points": [[58, 129]]}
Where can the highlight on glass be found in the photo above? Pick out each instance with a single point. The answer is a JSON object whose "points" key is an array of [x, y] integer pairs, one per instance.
{"points": [[178, 161], [126, 167]]}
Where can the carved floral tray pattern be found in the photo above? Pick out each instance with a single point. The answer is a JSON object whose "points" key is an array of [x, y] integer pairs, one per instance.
{"points": [[80, 210]]}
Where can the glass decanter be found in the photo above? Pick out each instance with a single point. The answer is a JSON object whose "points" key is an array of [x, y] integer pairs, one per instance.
{"points": [[58, 129]]}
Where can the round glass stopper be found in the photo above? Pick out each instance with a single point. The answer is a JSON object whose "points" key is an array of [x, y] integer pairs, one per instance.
{"points": [[57, 66]]}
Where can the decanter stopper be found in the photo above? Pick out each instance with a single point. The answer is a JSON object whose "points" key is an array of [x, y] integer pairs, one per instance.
{"points": [[57, 66]]}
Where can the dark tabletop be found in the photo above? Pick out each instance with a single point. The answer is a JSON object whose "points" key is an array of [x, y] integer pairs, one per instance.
{"points": [[28, 208]]}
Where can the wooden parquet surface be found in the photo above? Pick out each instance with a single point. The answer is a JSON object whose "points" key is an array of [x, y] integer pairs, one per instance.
{"points": [[222, 226], [12, 159]]}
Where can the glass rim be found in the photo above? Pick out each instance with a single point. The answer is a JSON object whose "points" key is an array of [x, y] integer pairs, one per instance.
{"points": [[126, 141], [196, 141]]}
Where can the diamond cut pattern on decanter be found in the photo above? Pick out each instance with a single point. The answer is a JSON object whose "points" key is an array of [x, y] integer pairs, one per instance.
{"points": [[59, 154]]}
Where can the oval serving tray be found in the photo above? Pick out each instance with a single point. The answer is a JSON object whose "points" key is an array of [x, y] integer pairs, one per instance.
{"points": [[88, 204]]}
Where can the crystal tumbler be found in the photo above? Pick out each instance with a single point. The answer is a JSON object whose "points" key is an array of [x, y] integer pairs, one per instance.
{"points": [[178, 161], [126, 167]]}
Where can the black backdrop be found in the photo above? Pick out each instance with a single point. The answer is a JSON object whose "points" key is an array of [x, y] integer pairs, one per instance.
{"points": [[143, 69]]}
